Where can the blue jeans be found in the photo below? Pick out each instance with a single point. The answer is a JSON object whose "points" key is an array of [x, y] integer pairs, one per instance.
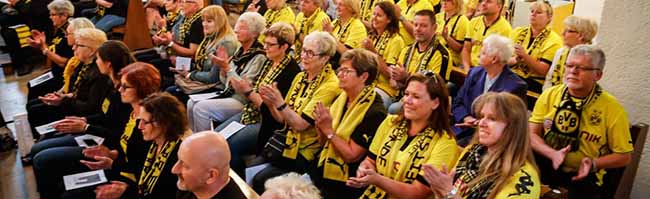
{"points": [[241, 143], [50, 165], [107, 22], [62, 141], [220, 2]]}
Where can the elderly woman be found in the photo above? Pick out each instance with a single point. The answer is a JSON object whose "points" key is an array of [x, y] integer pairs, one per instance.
{"points": [[346, 129], [348, 30], [419, 135], [311, 18], [278, 69], [108, 14], [492, 75], [290, 186], [118, 123], [57, 52], [83, 92], [317, 84], [499, 162], [577, 30], [56, 48], [535, 46], [452, 27], [203, 75], [163, 122], [247, 62], [386, 42]]}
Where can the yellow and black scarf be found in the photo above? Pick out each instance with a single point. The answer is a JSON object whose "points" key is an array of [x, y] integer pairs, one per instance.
{"points": [[124, 141], [81, 76], [250, 113], [153, 166], [366, 9], [425, 59], [381, 41], [344, 122], [202, 51], [535, 82], [298, 96], [70, 66], [467, 169], [186, 26], [305, 25], [342, 32], [558, 69]]}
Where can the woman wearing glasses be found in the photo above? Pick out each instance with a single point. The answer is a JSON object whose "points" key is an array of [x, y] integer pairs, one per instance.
{"points": [[346, 128], [499, 162], [316, 84], [163, 123], [419, 135], [278, 69], [535, 46], [348, 29]]}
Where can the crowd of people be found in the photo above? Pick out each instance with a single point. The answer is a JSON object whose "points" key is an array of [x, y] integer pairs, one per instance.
{"points": [[353, 104]]}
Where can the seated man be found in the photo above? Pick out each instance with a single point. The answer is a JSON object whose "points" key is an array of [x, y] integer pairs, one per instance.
{"points": [[492, 75], [203, 168], [579, 128]]}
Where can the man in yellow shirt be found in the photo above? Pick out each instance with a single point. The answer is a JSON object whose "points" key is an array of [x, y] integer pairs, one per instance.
{"points": [[577, 129], [407, 10], [490, 22]]}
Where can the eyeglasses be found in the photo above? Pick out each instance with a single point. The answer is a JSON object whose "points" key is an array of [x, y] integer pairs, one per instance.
{"points": [[570, 30], [81, 45], [309, 53], [580, 68], [145, 122], [345, 71], [124, 87], [270, 44], [431, 75], [188, 1]]}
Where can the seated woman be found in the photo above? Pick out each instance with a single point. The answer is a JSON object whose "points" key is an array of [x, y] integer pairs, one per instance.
{"points": [[290, 186], [203, 75], [419, 135], [492, 75], [316, 84], [84, 90], [535, 46], [56, 48], [108, 14], [348, 30], [120, 124], [247, 62], [276, 11], [386, 42], [279, 69], [311, 18], [499, 162], [452, 27], [345, 131], [163, 122]]}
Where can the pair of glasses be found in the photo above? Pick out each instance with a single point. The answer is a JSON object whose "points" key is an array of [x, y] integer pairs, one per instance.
{"points": [[81, 45], [309, 53], [580, 68], [269, 44], [124, 86], [345, 71], [146, 122], [431, 75]]}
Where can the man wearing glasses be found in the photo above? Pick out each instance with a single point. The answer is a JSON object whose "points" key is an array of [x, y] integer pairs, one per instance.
{"points": [[577, 129]]}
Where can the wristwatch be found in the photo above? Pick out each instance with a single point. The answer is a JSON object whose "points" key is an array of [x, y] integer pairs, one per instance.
{"points": [[170, 44], [452, 193], [330, 136], [282, 107]]}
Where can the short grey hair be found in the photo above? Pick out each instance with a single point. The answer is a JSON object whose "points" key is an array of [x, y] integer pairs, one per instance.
{"points": [[586, 27], [326, 42], [595, 54], [255, 22], [79, 23], [61, 7], [290, 186], [94, 36], [499, 46]]}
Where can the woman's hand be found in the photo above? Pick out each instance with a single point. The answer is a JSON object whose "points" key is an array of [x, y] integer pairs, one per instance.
{"points": [[327, 26], [398, 73], [182, 73], [368, 45], [221, 59], [271, 95], [104, 157], [37, 40], [240, 85], [110, 191], [440, 182], [253, 7], [71, 124], [366, 164], [323, 118], [365, 177], [53, 99]]}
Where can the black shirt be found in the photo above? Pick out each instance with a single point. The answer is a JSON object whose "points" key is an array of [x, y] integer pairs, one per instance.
{"points": [[230, 191], [195, 35], [119, 8]]}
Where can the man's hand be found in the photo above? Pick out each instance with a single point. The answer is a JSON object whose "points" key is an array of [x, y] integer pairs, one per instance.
{"points": [[111, 191], [583, 171], [558, 157]]}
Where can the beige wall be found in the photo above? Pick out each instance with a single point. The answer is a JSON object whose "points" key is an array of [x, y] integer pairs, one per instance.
{"points": [[625, 37]]}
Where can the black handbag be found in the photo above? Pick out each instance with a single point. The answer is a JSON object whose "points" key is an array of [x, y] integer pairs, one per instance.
{"points": [[274, 148]]}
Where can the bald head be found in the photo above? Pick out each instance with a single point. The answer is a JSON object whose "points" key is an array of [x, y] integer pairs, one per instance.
{"points": [[210, 148]]}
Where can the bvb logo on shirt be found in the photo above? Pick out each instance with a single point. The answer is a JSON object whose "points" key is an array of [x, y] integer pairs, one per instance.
{"points": [[594, 118], [566, 121]]}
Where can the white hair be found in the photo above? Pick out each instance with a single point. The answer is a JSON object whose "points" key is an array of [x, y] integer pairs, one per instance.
{"points": [[595, 54], [291, 185], [326, 42], [255, 22], [61, 7], [499, 46]]}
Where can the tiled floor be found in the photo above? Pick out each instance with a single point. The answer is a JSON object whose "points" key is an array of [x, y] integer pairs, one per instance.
{"points": [[16, 181]]}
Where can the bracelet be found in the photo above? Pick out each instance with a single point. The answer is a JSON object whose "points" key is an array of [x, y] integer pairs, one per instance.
{"points": [[402, 18], [248, 93], [282, 107], [593, 165], [452, 193], [86, 127], [44, 51], [170, 44], [330, 136]]}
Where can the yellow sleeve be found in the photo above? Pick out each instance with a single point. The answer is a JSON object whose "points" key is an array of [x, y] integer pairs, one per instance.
{"points": [[544, 104], [382, 131], [325, 93], [443, 152], [618, 131], [286, 15], [436, 64], [357, 33], [318, 22], [525, 184], [552, 44], [461, 30], [402, 56], [393, 50], [297, 21]]}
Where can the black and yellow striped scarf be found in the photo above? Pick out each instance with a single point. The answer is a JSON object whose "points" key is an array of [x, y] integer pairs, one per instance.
{"points": [[153, 166], [467, 169], [250, 113], [186, 26]]}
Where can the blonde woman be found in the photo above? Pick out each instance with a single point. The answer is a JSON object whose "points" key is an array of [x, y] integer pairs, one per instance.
{"points": [[347, 29], [452, 28], [311, 18], [218, 36], [499, 161]]}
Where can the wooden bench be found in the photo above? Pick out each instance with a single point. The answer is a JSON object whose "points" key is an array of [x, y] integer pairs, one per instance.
{"points": [[618, 182], [135, 32], [247, 190]]}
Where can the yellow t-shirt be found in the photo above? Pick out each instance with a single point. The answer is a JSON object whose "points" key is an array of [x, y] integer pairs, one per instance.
{"points": [[367, 7], [304, 26], [390, 54], [603, 126], [437, 148], [326, 92], [408, 11], [351, 33], [456, 28], [439, 63], [478, 31], [274, 16], [542, 48]]}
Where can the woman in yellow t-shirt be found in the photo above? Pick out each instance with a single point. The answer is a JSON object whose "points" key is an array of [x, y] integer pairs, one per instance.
{"points": [[311, 18], [385, 41], [419, 135], [452, 28], [535, 46], [499, 161], [347, 29]]}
